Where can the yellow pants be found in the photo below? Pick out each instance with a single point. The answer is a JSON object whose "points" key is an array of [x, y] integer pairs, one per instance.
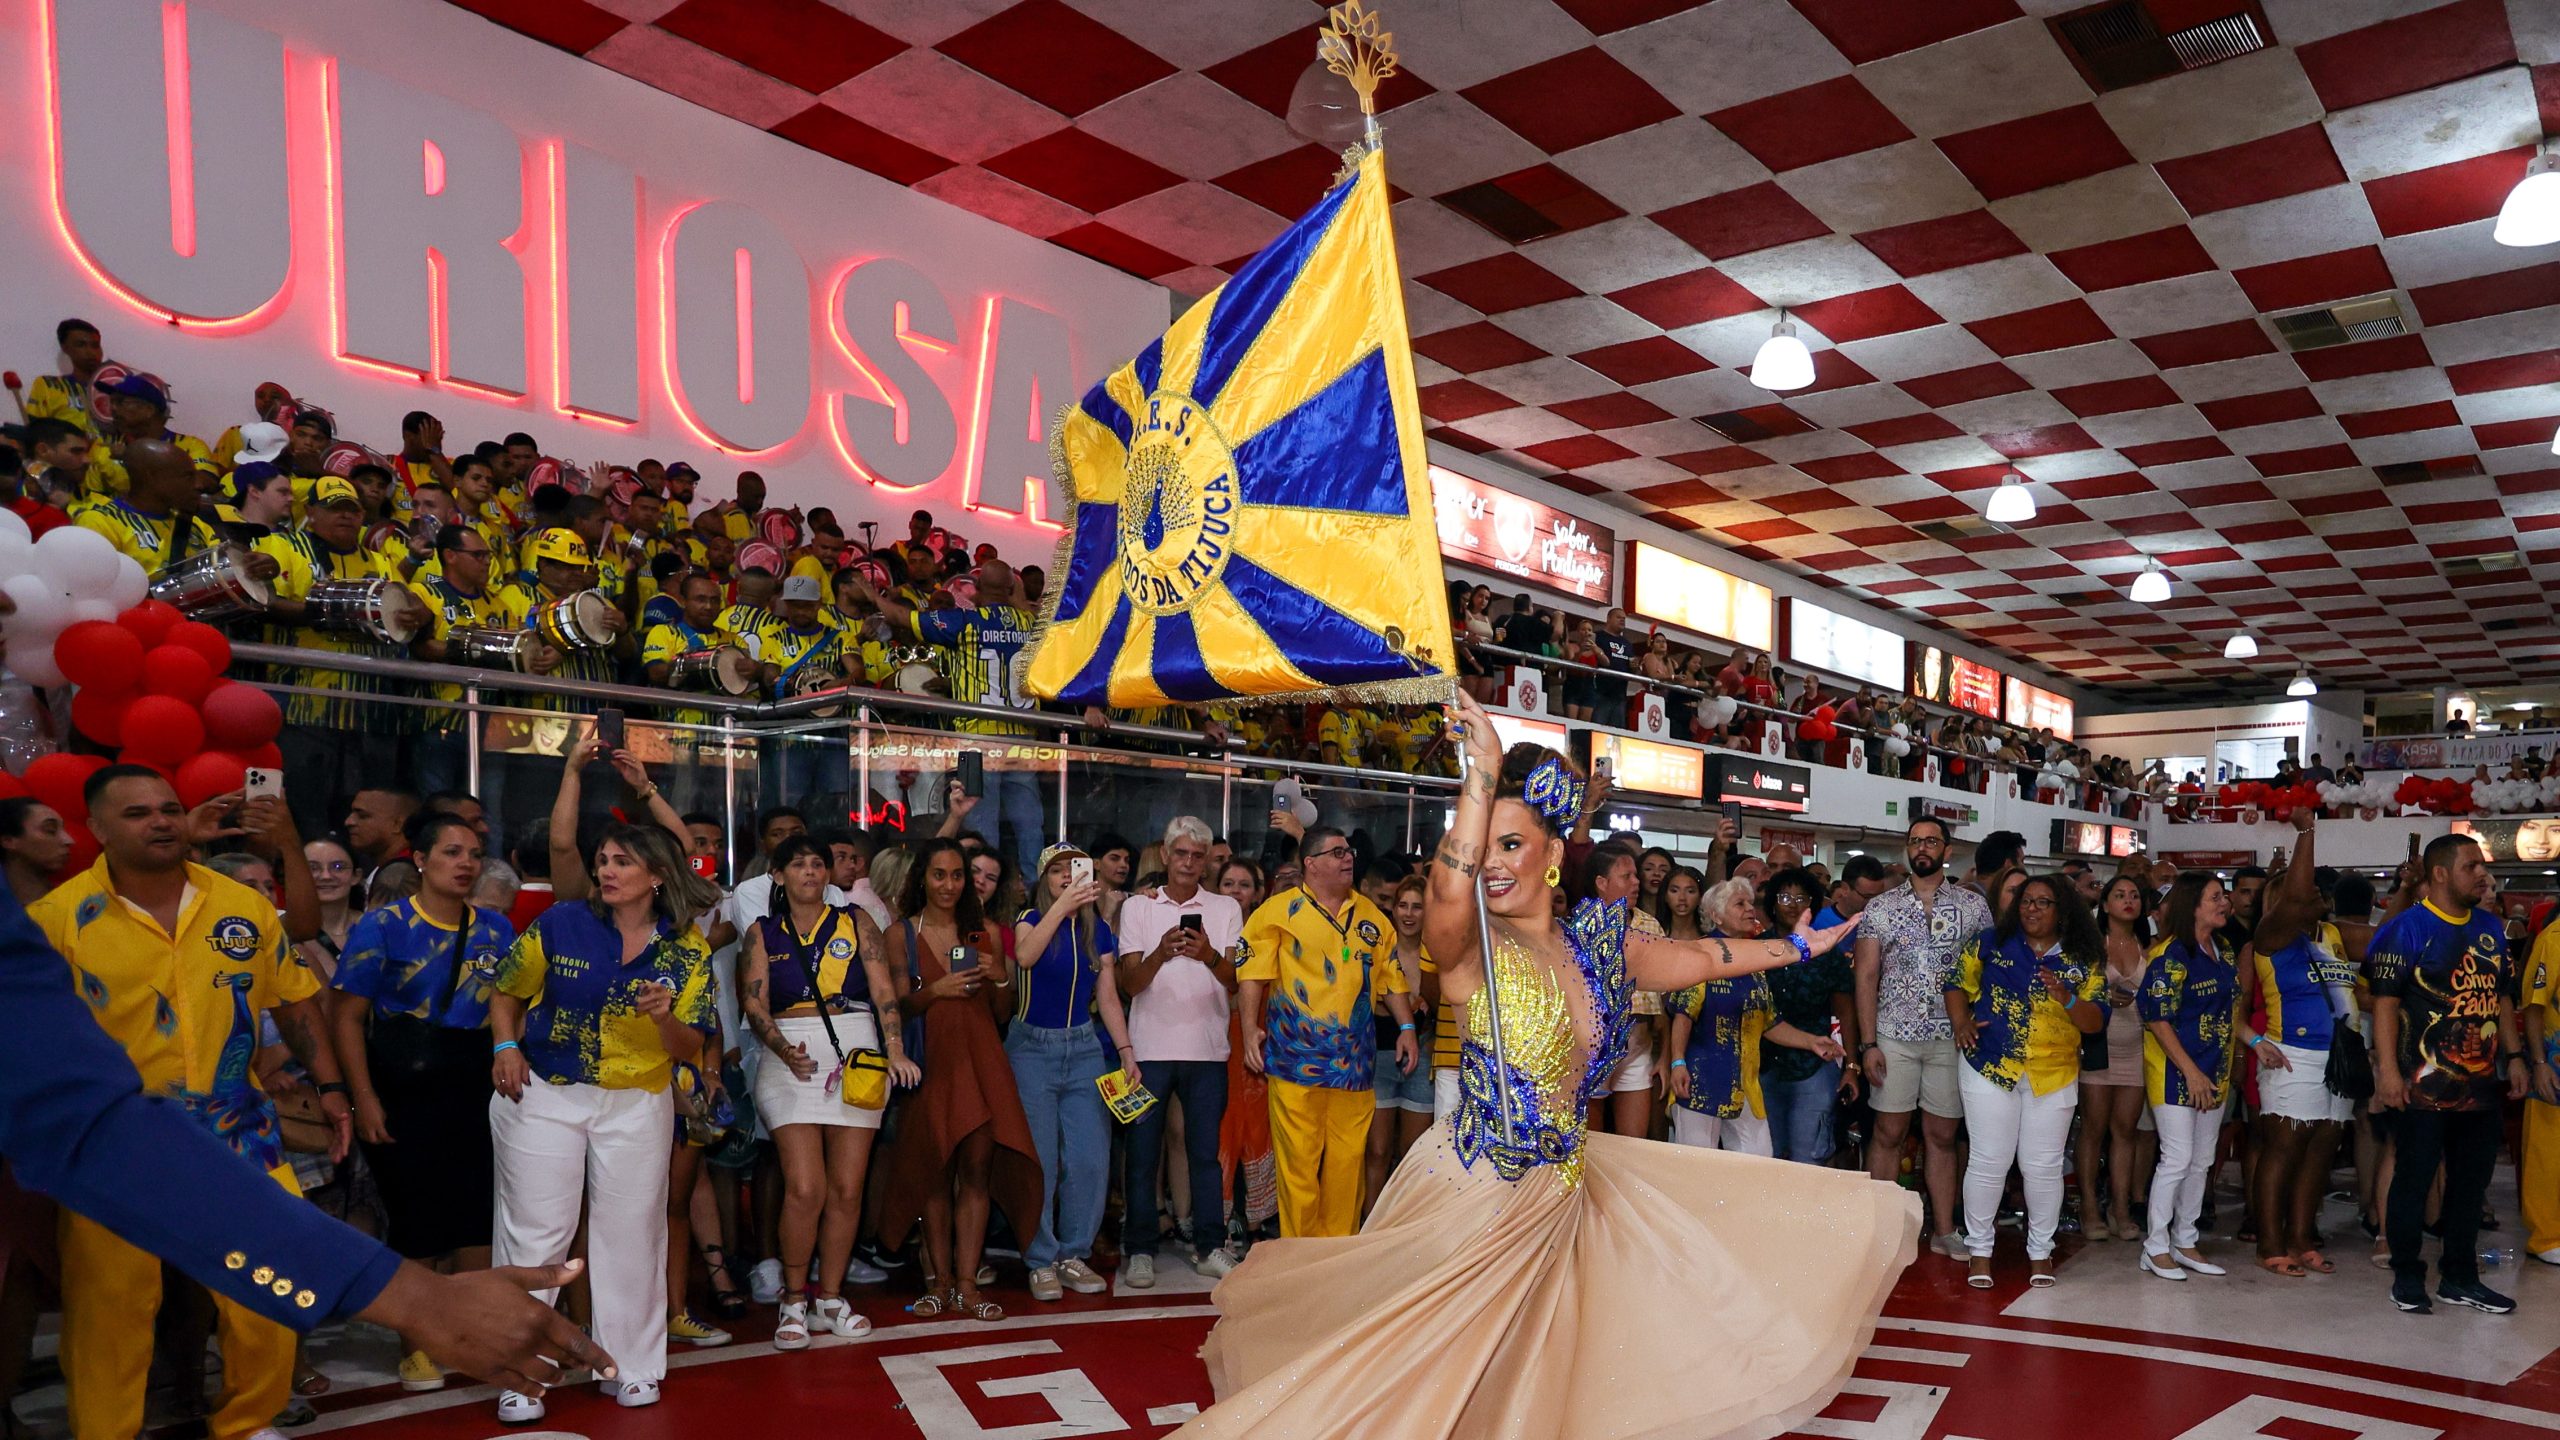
{"points": [[110, 1294], [1320, 1138], [2541, 1176]]}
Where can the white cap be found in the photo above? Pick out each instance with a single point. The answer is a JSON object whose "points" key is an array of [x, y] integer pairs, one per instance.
{"points": [[260, 442], [802, 587]]}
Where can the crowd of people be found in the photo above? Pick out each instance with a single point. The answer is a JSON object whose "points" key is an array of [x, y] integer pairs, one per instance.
{"points": [[687, 1076], [508, 558]]}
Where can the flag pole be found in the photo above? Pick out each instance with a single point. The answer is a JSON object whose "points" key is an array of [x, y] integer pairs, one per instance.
{"points": [[1492, 982], [1354, 45]]}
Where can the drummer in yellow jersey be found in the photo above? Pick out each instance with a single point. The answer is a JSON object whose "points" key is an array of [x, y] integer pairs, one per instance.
{"points": [[141, 412], [176, 962], [563, 566], [156, 521], [2539, 1016], [65, 397], [696, 629], [455, 589]]}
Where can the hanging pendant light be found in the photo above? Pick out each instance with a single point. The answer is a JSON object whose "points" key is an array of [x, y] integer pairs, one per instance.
{"points": [[2240, 647], [2012, 504], [2151, 586], [2531, 214], [1783, 362], [1323, 108], [2302, 684]]}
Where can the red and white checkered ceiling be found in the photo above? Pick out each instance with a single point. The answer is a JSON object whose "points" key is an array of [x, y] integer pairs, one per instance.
{"points": [[1998, 266]]}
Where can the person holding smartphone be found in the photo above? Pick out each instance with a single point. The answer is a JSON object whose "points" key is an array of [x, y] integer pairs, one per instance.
{"points": [[963, 1142], [1177, 966]]}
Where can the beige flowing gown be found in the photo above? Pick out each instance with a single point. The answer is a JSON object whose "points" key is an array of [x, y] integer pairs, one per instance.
{"points": [[1618, 1288]]}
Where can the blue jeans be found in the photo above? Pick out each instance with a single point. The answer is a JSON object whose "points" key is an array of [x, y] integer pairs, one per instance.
{"points": [[1055, 1071], [1012, 799], [1201, 1085], [1800, 1114]]}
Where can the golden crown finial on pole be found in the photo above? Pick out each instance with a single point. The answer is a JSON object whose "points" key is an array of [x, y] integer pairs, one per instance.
{"points": [[1356, 47]]}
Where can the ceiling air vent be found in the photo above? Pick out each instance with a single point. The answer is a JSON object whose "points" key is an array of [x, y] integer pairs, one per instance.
{"points": [[1502, 212], [1955, 528], [2121, 44], [2481, 564], [2412, 472], [1736, 426], [2370, 317]]}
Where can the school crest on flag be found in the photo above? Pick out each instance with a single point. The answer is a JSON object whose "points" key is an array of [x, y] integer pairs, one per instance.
{"points": [[1251, 510]]}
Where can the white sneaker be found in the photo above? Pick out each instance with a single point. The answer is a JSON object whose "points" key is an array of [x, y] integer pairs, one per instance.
{"points": [[862, 1272], [1079, 1277], [1045, 1285], [764, 1282], [2548, 1257], [517, 1408], [1138, 1272], [633, 1394], [1217, 1263], [2195, 1261], [837, 1317], [1952, 1246], [792, 1332], [2164, 1266]]}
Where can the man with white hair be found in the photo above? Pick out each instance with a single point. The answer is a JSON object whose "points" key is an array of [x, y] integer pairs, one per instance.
{"points": [[1178, 968]]}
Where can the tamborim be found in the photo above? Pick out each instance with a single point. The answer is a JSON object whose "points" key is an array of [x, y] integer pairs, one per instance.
{"points": [[382, 609], [212, 584], [575, 622], [724, 668]]}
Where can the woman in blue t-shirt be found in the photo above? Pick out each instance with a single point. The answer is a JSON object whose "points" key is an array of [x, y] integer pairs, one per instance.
{"points": [[2190, 996], [411, 1012], [1065, 983]]}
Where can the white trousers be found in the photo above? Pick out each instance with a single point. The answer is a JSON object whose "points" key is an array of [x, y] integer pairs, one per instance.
{"points": [[1745, 1133], [2177, 1186], [564, 1141], [2016, 1125], [1444, 1095]]}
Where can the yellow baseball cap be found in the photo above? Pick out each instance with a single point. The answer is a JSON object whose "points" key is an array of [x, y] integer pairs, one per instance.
{"points": [[330, 490], [560, 545]]}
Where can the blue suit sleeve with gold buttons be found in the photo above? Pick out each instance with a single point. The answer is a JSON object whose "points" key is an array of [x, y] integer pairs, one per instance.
{"points": [[75, 1125]]}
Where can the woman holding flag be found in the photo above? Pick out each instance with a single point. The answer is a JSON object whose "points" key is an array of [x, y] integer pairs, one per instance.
{"points": [[1488, 1286]]}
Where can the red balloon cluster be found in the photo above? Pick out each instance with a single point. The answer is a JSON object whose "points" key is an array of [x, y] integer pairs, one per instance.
{"points": [[151, 688], [1822, 724], [2278, 803], [2436, 797]]}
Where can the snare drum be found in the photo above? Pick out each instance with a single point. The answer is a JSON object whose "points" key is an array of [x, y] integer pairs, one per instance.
{"points": [[383, 610], [213, 584], [724, 668], [489, 649], [575, 622], [913, 671], [815, 682]]}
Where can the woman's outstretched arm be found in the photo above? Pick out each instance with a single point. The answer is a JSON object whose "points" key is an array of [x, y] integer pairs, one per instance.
{"points": [[1656, 963]]}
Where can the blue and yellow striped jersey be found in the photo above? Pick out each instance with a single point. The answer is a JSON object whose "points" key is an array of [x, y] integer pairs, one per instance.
{"points": [[583, 1024]]}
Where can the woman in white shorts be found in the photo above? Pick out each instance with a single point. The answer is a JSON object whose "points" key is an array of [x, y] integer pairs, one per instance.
{"points": [[1615, 875], [2302, 985], [807, 990]]}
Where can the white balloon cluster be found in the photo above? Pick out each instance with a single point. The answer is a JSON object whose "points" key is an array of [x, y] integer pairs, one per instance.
{"points": [[2515, 797], [69, 576], [1897, 742], [2364, 795], [1717, 711]]}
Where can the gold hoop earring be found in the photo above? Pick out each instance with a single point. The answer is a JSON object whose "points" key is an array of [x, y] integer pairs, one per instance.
{"points": [[1555, 876]]}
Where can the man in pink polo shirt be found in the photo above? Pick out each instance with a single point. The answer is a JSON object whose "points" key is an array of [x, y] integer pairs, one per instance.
{"points": [[1178, 968]]}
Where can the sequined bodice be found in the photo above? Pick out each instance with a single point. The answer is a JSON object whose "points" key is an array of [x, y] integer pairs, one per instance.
{"points": [[1551, 1077]]}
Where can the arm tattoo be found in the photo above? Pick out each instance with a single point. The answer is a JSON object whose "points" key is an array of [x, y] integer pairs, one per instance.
{"points": [[295, 1026], [1452, 862], [1724, 953], [1479, 785]]}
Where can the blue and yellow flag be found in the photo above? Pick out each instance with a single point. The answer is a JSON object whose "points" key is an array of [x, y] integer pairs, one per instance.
{"points": [[1252, 510]]}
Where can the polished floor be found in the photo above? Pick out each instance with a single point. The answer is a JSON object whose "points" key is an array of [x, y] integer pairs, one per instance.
{"points": [[2108, 1353]]}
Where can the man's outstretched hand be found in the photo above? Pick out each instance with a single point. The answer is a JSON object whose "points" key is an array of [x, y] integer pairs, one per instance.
{"points": [[487, 1323]]}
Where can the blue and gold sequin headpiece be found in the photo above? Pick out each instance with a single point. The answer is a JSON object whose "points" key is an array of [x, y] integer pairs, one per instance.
{"points": [[1555, 792]]}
